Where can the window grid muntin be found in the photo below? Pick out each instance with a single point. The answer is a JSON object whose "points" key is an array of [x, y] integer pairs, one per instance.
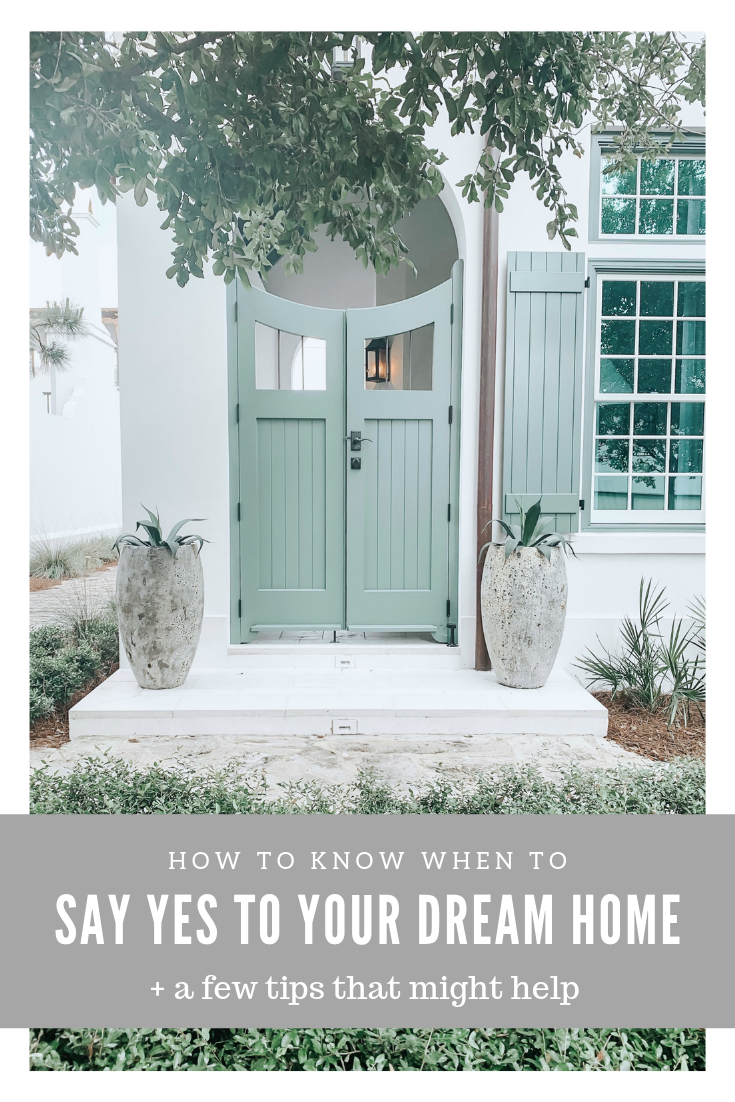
{"points": [[674, 197], [663, 515]]}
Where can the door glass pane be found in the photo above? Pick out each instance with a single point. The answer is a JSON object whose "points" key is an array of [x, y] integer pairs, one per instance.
{"points": [[401, 361], [289, 361]]}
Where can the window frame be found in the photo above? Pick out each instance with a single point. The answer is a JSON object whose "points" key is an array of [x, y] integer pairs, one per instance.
{"points": [[635, 269], [692, 145]]}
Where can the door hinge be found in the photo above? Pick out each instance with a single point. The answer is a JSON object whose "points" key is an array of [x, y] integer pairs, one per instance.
{"points": [[449, 513], [237, 414], [239, 609], [238, 512], [451, 414], [235, 309], [451, 314], [581, 503], [587, 282], [449, 606]]}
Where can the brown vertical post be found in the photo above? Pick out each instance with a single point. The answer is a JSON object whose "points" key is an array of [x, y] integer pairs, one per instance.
{"points": [[487, 408]]}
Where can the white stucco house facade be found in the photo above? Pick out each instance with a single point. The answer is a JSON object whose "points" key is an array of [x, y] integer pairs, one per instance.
{"points": [[590, 406], [75, 460]]}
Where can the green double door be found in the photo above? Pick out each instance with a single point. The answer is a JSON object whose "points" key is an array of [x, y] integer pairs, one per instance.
{"points": [[344, 464]]}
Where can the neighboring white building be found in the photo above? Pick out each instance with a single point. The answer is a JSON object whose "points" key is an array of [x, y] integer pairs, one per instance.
{"points": [[75, 414], [207, 410]]}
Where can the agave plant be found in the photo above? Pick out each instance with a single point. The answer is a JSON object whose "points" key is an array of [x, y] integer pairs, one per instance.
{"points": [[155, 534], [530, 533]]}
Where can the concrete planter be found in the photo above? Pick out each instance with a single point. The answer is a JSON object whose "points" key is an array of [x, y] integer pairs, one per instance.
{"points": [[160, 605], [524, 602]]}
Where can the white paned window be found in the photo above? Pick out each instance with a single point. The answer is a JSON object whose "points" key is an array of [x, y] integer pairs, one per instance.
{"points": [[648, 425], [665, 198]]}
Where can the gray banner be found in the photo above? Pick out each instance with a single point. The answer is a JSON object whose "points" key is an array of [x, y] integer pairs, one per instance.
{"points": [[312, 920]]}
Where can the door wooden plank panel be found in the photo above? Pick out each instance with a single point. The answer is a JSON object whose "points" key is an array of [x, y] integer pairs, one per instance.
{"points": [[397, 492], [291, 504], [425, 526], [411, 507]]}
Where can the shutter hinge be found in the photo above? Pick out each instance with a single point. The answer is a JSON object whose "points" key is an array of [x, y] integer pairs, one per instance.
{"points": [[449, 606], [451, 314], [237, 414], [239, 609], [581, 503], [587, 282], [235, 309], [449, 513], [238, 512], [451, 412]]}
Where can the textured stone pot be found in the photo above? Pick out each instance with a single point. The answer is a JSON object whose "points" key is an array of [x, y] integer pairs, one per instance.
{"points": [[160, 605], [524, 602]]}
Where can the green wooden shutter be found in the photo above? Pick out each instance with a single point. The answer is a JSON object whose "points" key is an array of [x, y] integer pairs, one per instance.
{"points": [[543, 385]]}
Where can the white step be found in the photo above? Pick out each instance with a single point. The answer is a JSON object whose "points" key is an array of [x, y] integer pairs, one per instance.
{"points": [[355, 700]]}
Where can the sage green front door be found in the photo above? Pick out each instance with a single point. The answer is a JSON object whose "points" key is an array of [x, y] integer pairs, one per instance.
{"points": [[343, 464]]}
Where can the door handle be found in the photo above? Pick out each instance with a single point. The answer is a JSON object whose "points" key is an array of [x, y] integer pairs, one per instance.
{"points": [[356, 440]]}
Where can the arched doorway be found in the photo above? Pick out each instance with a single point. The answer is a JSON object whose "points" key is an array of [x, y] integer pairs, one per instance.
{"points": [[344, 445]]}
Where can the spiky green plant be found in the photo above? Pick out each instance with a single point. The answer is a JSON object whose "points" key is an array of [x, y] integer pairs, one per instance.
{"points": [[155, 534], [54, 320], [530, 533], [652, 671]]}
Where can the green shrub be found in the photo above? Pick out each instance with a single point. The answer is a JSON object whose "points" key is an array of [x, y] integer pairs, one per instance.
{"points": [[46, 640], [59, 676], [110, 786], [40, 707], [102, 636], [367, 1049]]}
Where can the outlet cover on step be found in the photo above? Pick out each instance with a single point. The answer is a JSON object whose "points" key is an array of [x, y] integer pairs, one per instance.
{"points": [[345, 661], [344, 726]]}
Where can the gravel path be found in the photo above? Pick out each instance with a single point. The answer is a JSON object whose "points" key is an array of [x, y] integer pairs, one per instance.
{"points": [[333, 759], [51, 605]]}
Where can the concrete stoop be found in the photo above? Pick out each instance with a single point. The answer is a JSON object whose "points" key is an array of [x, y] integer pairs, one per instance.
{"points": [[348, 700]]}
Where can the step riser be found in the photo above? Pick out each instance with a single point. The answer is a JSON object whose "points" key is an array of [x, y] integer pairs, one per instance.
{"points": [[367, 726]]}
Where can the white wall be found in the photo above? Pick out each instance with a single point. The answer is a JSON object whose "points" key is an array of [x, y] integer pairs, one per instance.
{"points": [[604, 580], [173, 399], [75, 451]]}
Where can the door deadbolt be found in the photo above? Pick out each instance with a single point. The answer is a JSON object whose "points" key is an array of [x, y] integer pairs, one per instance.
{"points": [[355, 464]]}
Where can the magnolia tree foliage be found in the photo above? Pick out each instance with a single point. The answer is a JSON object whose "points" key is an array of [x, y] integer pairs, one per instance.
{"points": [[251, 141]]}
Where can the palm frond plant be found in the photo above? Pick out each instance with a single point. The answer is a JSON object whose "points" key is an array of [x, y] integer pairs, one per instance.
{"points": [[652, 671], [50, 327], [153, 528], [530, 532]]}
